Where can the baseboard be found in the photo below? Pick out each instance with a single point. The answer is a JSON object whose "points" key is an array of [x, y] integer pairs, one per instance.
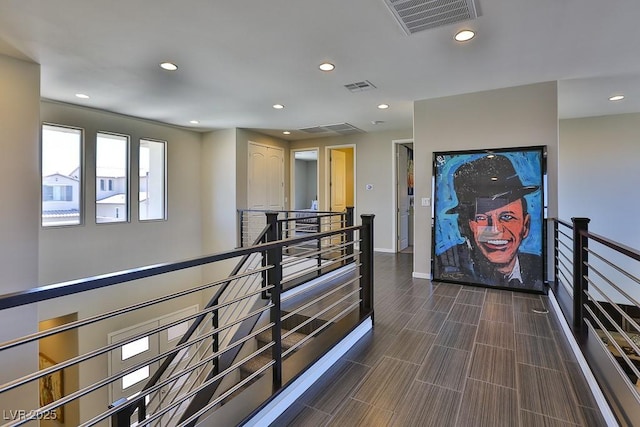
{"points": [[385, 250], [287, 397], [605, 410], [421, 275]]}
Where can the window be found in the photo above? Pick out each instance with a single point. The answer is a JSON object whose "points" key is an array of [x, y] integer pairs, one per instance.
{"points": [[61, 175], [112, 178], [152, 180]]}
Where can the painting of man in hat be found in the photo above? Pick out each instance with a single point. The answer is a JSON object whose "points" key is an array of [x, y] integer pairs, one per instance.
{"points": [[488, 219]]}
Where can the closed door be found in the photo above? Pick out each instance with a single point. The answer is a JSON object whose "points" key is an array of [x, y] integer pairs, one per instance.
{"points": [[402, 199], [266, 177], [338, 181]]}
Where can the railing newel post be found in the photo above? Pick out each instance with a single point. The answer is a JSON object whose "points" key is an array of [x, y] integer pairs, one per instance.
{"points": [[349, 235], [366, 290], [274, 258], [580, 270]]}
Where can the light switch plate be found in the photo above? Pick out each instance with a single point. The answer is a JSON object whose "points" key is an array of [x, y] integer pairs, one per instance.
{"points": [[426, 201]]}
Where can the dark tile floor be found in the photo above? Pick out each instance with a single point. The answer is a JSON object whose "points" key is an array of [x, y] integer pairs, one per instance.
{"points": [[450, 355]]}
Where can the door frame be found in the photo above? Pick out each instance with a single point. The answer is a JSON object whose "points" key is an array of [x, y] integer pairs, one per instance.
{"points": [[327, 174], [394, 196], [292, 169]]}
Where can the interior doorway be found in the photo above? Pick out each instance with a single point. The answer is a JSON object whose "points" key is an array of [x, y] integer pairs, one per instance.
{"points": [[304, 179], [404, 195], [341, 183]]}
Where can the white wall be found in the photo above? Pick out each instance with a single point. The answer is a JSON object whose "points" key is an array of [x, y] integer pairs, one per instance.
{"points": [[19, 217], [512, 117], [599, 178], [374, 164], [91, 249]]}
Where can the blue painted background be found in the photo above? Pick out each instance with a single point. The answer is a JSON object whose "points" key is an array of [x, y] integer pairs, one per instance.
{"points": [[528, 165]]}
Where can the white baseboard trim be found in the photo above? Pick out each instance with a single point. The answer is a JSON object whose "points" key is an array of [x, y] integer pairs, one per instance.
{"points": [[605, 410], [421, 275], [278, 405], [385, 250]]}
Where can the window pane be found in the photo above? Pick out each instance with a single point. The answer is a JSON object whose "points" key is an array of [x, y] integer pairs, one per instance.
{"points": [[61, 175], [152, 180], [135, 377], [134, 348], [112, 165]]}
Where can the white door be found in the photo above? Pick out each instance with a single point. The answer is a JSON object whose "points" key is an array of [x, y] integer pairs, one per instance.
{"points": [[402, 197], [338, 183], [266, 177]]}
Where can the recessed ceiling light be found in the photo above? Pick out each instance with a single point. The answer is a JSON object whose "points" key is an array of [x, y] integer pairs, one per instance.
{"points": [[194, 122], [286, 132], [464, 35], [278, 106], [169, 66], [616, 98], [82, 96], [327, 66], [383, 106]]}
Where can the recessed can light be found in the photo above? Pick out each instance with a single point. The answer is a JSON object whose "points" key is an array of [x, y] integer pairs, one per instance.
{"points": [[464, 35], [616, 98], [327, 66], [82, 96], [278, 106], [169, 66], [194, 122], [286, 132], [383, 106]]}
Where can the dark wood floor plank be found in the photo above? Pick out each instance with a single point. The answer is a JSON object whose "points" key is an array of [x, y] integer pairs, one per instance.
{"points": [[447, 289], [360, 414], [427, 405], [339, 388], [495, 296], [457, 335], [497, 312], [470, 297], [464, 313], [531, 419], [387, 384], [445, 367], [496, 334], [488, 405], [411, 346], [439, 303], [538, 351], [493, 365], [309, 417], [546, 392], [533, 324], [427, 321]]}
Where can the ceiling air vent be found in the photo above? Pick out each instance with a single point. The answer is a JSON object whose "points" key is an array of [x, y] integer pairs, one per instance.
{"points": [[419, 15], [360, 86], [339, 128]]}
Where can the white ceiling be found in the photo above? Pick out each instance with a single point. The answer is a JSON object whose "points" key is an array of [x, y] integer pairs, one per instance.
{"points": [[238, 58]]}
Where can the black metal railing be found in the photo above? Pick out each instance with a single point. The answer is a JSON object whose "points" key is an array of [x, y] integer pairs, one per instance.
{"points": [[597, 285], [347, 297]]}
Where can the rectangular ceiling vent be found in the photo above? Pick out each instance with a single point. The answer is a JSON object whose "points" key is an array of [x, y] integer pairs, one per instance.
{"points": [[419, 15], [360, 86], [339, 128]]}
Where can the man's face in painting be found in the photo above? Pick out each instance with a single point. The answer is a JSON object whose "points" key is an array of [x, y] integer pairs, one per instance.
{"points": [[498, 232]]}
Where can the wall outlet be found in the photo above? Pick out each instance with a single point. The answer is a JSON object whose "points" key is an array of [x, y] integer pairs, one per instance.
{"points": [[426, 201]]}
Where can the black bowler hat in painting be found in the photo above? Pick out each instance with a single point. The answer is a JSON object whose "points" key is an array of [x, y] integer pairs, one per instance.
{"points": [[491, 181]]}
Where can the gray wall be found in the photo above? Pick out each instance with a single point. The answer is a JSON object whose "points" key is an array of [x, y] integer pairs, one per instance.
{"points": [[513, 117]]}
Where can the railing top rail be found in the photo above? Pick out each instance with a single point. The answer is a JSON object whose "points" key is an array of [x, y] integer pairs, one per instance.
{"points": [[57, 290], [562, 222], [295, 210], [618, 247]]}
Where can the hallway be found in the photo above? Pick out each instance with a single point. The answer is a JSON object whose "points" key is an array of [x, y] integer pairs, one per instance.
{"points": [[451, 355]]}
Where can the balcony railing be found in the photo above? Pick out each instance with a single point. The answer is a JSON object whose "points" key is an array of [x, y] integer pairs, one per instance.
{"points": [[256, 314], [597, 285]]}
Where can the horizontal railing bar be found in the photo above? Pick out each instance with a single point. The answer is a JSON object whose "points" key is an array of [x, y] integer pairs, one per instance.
{"points": [[323, 326], [565, 277], [565, 266], [617, 308], [202, 386], [561, 243], [566, 285], [79, 323], [97, 352], [561, 222], [327, 263], [226, 394], [615, 344], [316, 285], [315, 316], [625, 250], [615, 267], [568, 236], [593, 269], [321, 251], [320, 298], [158, 386], [46, 292]]}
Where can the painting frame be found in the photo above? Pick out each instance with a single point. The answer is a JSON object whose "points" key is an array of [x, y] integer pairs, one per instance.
{"points": [[51, 387], [488, 218]]}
